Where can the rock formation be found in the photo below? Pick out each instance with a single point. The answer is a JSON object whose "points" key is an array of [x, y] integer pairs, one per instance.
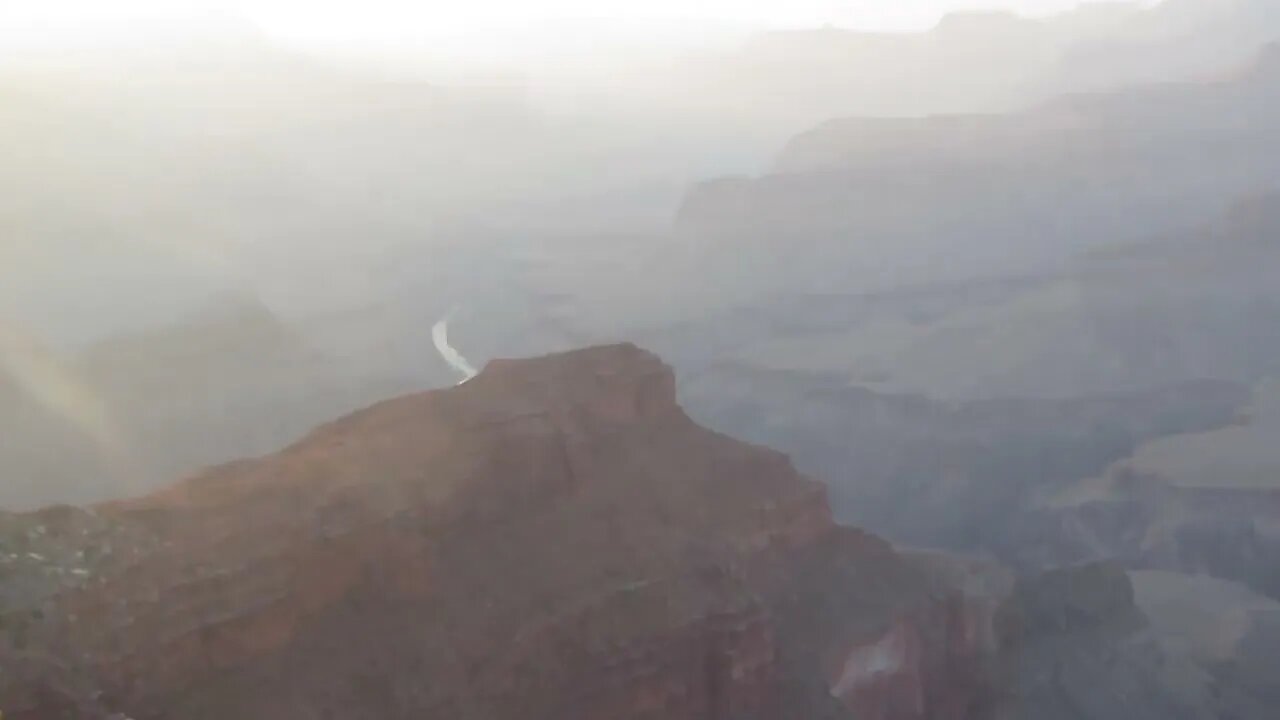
{"points": [[1204, 502], [554, 539], [925, 471], [1080, 642], [881, 203]]}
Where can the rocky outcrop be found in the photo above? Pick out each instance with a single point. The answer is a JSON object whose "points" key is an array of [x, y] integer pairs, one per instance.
{"points": [[556, 538], [875, 204], [935, 473], [1197, 503], [919, 668], [1076, 642], [1074, 645], [1228, 630], [1150, 523], [1069, 600]]}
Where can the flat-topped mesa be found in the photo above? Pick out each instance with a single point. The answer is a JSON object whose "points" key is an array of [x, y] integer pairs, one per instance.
{"points": [[560, 394], [610, 383], [1075, 599]]}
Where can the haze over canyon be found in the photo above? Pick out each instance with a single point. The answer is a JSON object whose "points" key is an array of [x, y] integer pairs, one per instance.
{"points": [[752, 368]]}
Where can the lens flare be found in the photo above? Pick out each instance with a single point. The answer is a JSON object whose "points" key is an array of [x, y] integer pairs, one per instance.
{"points": [[41, 376]]}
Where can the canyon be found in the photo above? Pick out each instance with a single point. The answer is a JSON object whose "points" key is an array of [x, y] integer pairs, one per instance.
{"points": [[557, 538], [965, 409]]}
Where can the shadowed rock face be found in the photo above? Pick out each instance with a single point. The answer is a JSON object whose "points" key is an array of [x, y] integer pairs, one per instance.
{"points": [[1079, 641], [1203, 502], [554, 539], [1149, 523], [928, 472]]}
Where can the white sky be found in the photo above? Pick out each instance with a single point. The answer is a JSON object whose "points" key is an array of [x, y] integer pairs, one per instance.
{"points": [[355, 22]]}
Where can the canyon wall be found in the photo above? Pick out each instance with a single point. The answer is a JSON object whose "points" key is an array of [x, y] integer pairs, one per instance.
{"points": [[554, 539]]}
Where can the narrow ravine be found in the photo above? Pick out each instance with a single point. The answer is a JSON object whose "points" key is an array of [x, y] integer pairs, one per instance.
{"points": [[440, 336]]}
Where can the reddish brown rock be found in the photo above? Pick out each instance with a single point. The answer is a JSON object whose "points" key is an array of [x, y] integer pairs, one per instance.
{"points": [[553, 539]]}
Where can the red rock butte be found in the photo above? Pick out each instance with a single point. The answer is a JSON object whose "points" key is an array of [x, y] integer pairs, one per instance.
{"points": [[553, 539]]}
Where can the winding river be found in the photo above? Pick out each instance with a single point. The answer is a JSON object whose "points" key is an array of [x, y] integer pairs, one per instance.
{"points": [[440, 336]]}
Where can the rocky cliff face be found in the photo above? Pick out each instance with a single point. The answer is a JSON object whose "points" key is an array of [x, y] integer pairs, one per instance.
{"points": [[875, 204], [1151, 523], [929, 472], [1078, 641], [553, 539], [1198, 503]]}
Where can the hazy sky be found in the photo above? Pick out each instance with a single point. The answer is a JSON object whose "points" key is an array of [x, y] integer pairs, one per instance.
{"points": [[35, 22]]}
